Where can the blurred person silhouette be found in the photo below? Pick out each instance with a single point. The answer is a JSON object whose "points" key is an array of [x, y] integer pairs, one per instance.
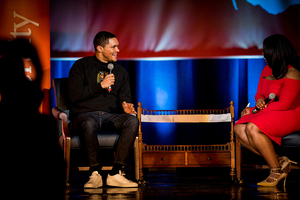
{"points": [[33, 162]]}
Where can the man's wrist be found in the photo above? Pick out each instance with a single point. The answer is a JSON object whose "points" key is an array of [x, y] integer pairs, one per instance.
{"points": [[102, 86]]}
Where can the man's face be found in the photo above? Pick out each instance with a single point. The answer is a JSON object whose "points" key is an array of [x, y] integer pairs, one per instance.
{"points": [[110, 51]]}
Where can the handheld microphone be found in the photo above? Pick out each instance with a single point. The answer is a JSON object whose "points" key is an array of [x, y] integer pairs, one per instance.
{"points": [[110, 66], [267, 100]]}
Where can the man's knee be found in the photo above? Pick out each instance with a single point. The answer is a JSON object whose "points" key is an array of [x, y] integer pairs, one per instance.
{"points": [[132, 121], [89, 124], [85, 123], [132, 124]]}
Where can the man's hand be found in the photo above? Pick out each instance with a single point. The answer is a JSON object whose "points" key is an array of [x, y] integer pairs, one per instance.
{"points": [[128, 108], [108, 80]]}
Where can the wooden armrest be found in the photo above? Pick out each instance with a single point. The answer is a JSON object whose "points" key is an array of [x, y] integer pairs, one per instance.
{"points": [[56, 113], [61, 115]]}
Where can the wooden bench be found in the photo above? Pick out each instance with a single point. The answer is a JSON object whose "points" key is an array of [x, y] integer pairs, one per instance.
{"points": [[216, 155]]}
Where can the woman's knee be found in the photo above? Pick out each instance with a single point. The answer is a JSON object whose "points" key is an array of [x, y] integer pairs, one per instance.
{"points": [[239, 129], [251, 130]]}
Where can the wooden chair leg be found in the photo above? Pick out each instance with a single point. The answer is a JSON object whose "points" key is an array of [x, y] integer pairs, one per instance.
{"points": [[67, 152], [233, 161], [136, 159], [140, 144], [238, 161]]}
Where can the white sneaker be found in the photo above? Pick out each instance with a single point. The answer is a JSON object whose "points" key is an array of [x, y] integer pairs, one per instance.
{"points": [[119, 180], [95, 181]]}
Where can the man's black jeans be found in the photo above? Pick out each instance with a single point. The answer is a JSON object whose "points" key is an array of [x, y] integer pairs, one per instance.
{"points": [[87, 125]]}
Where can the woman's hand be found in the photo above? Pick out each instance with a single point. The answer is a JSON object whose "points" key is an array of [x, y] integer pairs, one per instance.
{"points": [[246, 111], [260, 104]]}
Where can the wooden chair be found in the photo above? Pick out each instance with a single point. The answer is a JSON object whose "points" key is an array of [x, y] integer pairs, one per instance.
{"points": [[69, 140], [217, 155]]}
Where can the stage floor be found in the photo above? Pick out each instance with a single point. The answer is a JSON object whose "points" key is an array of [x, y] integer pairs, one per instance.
{"points": [[189, 183]]}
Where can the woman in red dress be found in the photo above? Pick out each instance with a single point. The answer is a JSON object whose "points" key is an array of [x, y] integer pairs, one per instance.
{"points": [[278, 118]]}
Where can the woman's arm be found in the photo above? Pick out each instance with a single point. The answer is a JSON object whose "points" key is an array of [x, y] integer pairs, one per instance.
{"points": [[289, 91]]}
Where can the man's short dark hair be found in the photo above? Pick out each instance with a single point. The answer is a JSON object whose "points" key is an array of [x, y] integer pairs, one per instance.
{"points": [[102, 39]]}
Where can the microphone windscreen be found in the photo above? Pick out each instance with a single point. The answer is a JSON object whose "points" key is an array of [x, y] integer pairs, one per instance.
{"points": [[272, 96], [110, 66]]}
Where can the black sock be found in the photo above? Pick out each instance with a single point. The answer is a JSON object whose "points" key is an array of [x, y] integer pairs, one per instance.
{"points": [[116, 168], [96, 168]]}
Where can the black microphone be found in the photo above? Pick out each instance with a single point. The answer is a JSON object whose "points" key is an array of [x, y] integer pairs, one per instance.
{"points": [[267, 100], [110, 66]]}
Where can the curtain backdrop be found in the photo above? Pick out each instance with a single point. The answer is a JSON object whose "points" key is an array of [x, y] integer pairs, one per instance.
{"points": [[186, 84], [172, 28]]}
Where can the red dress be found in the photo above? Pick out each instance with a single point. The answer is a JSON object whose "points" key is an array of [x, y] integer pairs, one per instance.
{"points": [[281, 117]]}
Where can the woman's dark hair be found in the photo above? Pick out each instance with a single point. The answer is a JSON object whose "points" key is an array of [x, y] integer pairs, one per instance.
{"points": [[102, 39], [279, 53]]}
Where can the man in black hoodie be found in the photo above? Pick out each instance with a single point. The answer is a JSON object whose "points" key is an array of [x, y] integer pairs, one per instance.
{"points": [[101, 99]]}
